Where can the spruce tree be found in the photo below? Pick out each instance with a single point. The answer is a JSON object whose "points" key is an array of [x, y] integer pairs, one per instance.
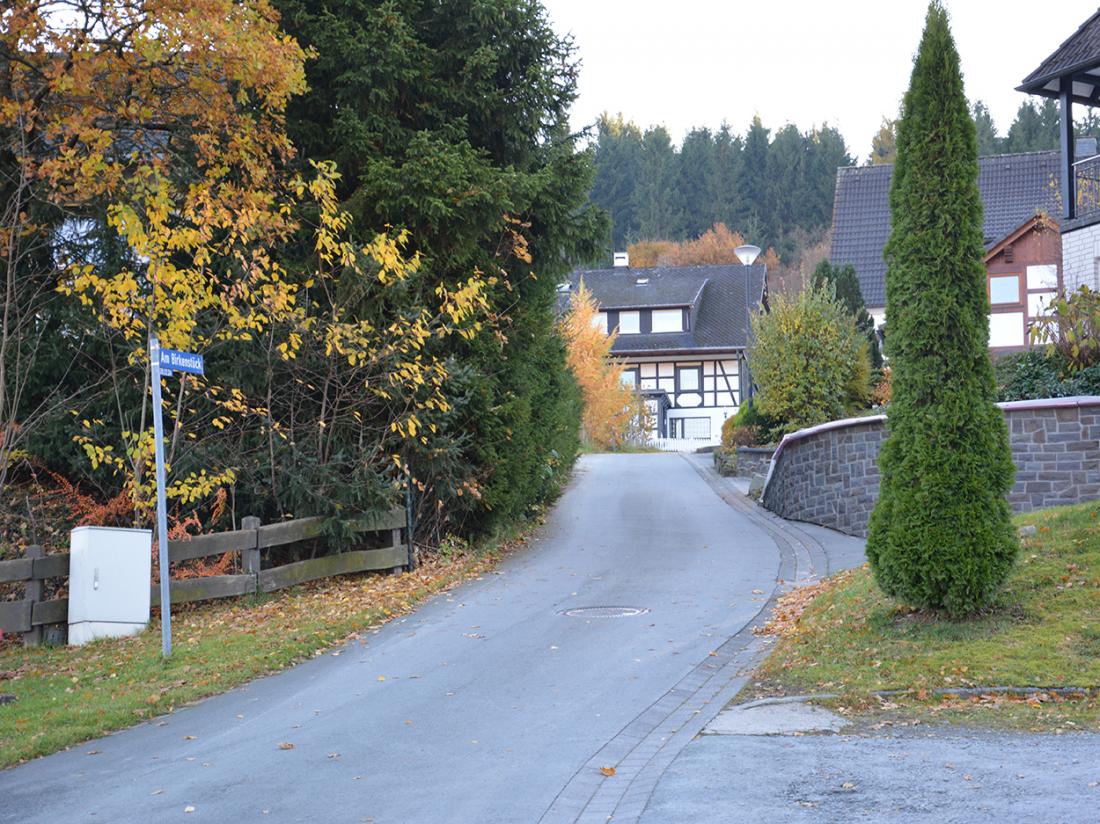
{"points": [[941, 535]]}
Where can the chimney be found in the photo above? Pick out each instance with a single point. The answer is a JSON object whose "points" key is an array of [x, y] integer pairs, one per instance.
{"points": [[622, 260], [1085, 148]]}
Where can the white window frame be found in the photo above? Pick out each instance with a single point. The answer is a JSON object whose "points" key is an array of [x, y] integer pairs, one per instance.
{"points": [[630, 323], [667, 320]]}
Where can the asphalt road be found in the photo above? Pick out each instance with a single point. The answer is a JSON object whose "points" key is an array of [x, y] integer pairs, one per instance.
{"points": [[936, 776], [487, 704]]}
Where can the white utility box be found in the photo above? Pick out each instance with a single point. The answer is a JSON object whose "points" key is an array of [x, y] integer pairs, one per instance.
{"points": [[109, 574]]}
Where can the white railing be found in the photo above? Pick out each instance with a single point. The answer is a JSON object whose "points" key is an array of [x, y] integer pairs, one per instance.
{"points": [[681, 444]]}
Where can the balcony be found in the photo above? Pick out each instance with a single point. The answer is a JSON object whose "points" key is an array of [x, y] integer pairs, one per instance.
{"points": [[1086, 181]]}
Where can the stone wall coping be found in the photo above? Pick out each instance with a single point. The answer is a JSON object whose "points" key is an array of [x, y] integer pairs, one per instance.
{"points": [[757, 450], [844, 423], [1052, 403]]}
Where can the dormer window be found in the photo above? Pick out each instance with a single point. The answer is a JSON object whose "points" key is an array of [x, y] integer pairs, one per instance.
{"points": [[668, 320], [630, 323]]}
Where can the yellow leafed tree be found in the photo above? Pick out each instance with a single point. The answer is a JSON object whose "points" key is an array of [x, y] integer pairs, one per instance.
{"points": [[613, 413], [164, 120]]}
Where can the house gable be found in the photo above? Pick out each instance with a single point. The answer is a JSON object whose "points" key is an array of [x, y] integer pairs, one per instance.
{"points": [[1014, 188]]}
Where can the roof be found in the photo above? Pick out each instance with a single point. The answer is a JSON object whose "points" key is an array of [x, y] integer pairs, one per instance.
{"points": [[1013, 189], [720, 299], [1077, 58]]}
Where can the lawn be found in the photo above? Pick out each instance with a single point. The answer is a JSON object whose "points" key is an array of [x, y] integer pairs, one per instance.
{"points": [[66, 695], [847, 638]]}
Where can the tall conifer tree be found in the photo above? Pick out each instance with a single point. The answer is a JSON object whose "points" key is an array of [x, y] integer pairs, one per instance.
{"points": [[941, 535]]}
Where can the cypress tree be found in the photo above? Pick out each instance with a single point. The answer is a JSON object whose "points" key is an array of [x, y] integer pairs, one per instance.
{"points": [[941, 535]]}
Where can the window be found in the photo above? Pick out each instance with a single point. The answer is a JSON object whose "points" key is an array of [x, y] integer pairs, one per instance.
{"points": [[1042, 277], [688, 378], [599, 320], [1006, 329], [1004, 289], [629, 377], [629, 323], [668, 320], [690, 428], [1039, 303]]}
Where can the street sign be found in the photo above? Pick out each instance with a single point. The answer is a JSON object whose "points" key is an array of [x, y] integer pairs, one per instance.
{"points": [[164, 362], [172, 360]]}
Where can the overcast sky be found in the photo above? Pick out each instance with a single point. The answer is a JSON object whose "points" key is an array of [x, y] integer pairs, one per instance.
{"points": [[689, 63]]}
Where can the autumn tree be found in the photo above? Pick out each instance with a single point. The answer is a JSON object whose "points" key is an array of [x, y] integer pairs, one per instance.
{"points": [[450, 120], [714, 246], [154, 133], [612, 411], [884, 143], [143, 140]]}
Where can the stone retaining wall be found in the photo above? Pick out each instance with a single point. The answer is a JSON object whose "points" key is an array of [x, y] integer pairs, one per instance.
{"points": [[829, 475], [754, 460]]}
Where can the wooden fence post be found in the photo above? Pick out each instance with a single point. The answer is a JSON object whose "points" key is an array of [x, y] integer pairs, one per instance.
{"points": [[250, 557], [32, 591]]}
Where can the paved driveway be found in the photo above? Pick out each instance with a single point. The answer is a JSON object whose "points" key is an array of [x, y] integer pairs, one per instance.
{"points": [[488, 704]]}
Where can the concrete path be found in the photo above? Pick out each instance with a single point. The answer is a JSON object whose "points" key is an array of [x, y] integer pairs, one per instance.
{"points": [[488, 704]]}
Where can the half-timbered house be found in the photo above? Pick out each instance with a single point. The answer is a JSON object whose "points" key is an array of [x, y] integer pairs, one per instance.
{"points": [[682, 336], [1023, 249]]}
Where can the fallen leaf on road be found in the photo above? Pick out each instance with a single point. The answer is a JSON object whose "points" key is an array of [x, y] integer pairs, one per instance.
{"points": [[334, 755], [156, 792], [94, 752], [286, 745], [608, 771], [847, 785], [381, 678], [189, 809], [189, 738]]}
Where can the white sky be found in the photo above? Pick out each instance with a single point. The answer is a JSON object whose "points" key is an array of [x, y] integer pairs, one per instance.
{"points": [[688, 63]]}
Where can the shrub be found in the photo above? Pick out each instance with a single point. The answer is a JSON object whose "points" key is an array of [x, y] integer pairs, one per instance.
{"points": [[884, 390], [735, 435], [809, 361], [1032, 374], [1072, 329], [1039, 373], [941, 534]]}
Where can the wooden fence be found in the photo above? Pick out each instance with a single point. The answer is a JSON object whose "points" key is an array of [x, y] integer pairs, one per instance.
{"points": [[31, 614]]}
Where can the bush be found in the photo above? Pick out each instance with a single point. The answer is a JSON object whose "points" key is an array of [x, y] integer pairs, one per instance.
{"points": [[941, 535], [809, 361], [1073, 329], [1032, 374], [884, 390], [734, 435], [1039, 373]]}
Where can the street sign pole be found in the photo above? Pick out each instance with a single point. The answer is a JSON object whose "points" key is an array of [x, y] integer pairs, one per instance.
{"points": [[162, 505]]}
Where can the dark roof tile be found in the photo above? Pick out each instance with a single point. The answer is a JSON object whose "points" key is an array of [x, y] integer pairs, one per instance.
{"points": [[1076, 56], [720, 299], [1013, 189]]}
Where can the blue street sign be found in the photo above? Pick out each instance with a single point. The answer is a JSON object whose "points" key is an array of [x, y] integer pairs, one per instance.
{"points": [[172, 360]]}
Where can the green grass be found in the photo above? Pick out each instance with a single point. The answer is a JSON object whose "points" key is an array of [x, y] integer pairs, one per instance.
{"points": [[66, 695], [1042, 631]]}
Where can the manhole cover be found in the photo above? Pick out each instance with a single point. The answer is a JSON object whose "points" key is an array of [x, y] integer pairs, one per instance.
{"points": [[604, 612]]}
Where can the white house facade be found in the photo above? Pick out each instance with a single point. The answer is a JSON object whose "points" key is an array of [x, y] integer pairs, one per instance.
{"points": [[682, 333], [1071, 75]]}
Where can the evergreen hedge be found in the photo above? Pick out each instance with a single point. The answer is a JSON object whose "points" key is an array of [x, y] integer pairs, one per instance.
{"points": [[940, 536]]}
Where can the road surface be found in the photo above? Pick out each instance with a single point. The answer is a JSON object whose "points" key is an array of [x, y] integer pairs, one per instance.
{"points": [[489, 704]]}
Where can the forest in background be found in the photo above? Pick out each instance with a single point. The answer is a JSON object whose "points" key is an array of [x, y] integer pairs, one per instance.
{"points": [[773, 188]]}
